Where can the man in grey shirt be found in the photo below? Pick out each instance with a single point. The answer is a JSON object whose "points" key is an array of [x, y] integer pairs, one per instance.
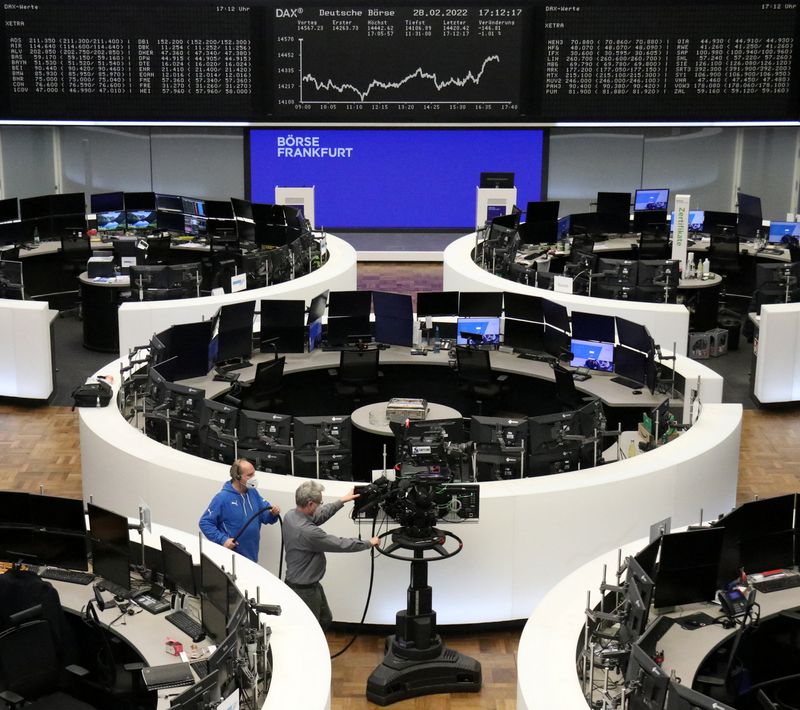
{"points": [[306, 544]]}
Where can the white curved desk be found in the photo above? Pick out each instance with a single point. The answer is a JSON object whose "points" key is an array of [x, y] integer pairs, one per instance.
{"points": [[139, 320], [668, 323], [26, 350], [531, 532], [297, 642]]}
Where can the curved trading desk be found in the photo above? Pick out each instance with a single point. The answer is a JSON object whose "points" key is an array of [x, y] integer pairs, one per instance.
{"points": [[139, 320], [668, 323], [299, 649], [548, 677], [531, 531]]}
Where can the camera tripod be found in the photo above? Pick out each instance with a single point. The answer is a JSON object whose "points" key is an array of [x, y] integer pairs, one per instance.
{"points": [[417, 662]]}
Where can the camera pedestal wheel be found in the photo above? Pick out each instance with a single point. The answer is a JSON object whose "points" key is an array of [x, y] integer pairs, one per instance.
{"points": [[417, 662]]}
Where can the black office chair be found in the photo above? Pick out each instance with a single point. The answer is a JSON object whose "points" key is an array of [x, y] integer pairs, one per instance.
{"points": [[566, 392], [653, 246], [475, 375], [357, 376], [581, 246], [158, 250], [75, 252], [10, 254], [723, 253], [31, 670], [262, 394]]}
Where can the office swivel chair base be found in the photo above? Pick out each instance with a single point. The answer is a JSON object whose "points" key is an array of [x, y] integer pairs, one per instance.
{"points": [[398, 678]]}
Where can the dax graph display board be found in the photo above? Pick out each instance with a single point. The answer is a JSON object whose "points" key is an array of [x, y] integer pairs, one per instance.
{"points": [[182, 60]]}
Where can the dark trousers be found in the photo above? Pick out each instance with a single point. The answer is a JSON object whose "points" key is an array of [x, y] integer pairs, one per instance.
{"points": [[314, 597]]}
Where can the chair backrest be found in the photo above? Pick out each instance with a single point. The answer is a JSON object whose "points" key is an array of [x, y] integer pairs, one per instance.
{"points": [[653, 246], [269, 376], [158, 249], [723, 245], [76, 247], [565, 387], [473, 364], [29, 663], [581, 244], [794, 252], [358, 366]]}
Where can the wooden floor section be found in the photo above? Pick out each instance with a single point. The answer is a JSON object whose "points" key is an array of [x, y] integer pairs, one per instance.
{"points": [[39, 446]]}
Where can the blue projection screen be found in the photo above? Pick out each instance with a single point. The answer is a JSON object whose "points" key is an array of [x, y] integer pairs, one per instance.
{"points": [[394, 179]]}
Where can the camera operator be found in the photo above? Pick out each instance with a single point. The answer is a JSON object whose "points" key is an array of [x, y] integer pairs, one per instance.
{"points": [[306, 544]]}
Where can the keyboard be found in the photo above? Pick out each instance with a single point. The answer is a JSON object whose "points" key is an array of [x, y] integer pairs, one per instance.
{"points": [[186, 624], [200, 667], [171, 675], [625, 382], [66, 575], [539, 357], [777, 583]]}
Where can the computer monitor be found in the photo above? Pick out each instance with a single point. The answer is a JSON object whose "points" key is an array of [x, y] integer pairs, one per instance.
{"points": [[593, 326], [147, 276], [521, 306], [647, 680], [11, 233], [221, 419], [613, 211], [783, 232], [186, 402], [748, 224], [344, 329], [142, 220], [496, 179], [555, 315], [523, 335], [541, 223], [199, 696], [349, 303], [284, 322], [617, 271], [480, 303], [635, 615], [264, 430], [682, 697], [592, 354], [170, 203], [242, 209], [634, 335], [111, 221], [688, 567], [57, 514], [653, 199], [193, 206], [140, 201], [68, 203], [314, 335], [659, 272], [556, 342], [631, 365], [172, 222], [759, 536], [715, 222], [316, 308], [437, 303], [213, 598], [34, 207], [334, 465], [478, 331], [647, 556], [107, 202], [503, 432], [187, 344], [394, 319], [109, 542], [268, 461], [781, 275], [331, 431], [696, 218], [235, 330], [178, 567]]}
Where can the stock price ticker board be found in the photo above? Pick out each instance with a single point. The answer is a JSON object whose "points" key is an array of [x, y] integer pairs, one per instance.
{"points": [[262, 61]]}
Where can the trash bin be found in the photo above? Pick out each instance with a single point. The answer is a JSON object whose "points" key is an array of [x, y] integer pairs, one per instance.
{"points": [[734, 328]]}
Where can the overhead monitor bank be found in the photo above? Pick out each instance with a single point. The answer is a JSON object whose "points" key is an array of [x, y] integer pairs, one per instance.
{"points": [[394, 179]]}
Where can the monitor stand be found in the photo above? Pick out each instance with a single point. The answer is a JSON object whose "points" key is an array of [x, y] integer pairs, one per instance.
{"points": [[231, 365]]}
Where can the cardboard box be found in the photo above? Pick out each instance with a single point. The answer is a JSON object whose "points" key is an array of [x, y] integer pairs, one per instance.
{"points": [[700, 345], [718, 341]]}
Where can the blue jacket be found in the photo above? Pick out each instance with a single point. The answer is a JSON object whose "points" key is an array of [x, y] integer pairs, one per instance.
{"points": [[228, 511]]}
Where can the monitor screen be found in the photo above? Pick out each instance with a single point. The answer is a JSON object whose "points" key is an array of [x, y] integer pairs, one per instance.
{"points": [[214, 620], [314, 335], [214, 583], [349, 303], [376, 180], [110, 545], [9, 209], [178, 567], [107, 202], [714, 221], [478, 331], [394, 318], [688, 567], [332, 430], [34, 207], [630, 364], [263, 430], [480, 303], [593, 354], [555, 315], [696, 218], [523, 335], [219, 418], [499, 180], [650, 200], [242, 209], [647, 681], [593, 326], [193, 206], [145, 220], [779, 230], [316, 308], [135, 201], [523, 307], [634, 335], [437, 303], [111, 221], [54, 513], [556, 342], [68, 203], [284, 321]]}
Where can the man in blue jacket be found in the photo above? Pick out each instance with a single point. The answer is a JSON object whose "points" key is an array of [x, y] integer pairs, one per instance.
{"points": [[235, 515]]}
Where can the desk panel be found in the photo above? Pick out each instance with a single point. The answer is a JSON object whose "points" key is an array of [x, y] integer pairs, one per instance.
{"points": [[26, 350]]}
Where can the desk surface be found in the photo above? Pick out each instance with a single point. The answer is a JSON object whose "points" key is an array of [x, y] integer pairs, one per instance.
{"points": [[372, 417], [298, 645], [103, 282]]}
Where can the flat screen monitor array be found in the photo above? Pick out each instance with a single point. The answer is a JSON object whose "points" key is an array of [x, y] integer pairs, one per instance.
{"points": [[43, 530]]}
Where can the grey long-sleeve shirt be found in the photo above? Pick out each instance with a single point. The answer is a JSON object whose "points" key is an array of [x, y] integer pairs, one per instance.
{"points": [[306, 543]]}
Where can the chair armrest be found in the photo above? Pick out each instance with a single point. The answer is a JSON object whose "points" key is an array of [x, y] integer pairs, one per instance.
{"points": [[232, 401], [133, 667], [76, 670], [501, 378], [710, 680]]}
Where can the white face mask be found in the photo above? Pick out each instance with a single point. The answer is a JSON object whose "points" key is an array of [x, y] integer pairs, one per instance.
{"points": [[251, 482]]}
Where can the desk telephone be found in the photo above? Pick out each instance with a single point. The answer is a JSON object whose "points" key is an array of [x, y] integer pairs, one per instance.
{"points": [[734, 603]]}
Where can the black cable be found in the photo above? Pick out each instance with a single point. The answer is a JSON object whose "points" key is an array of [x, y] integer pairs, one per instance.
{"points": [[372, 554]]}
